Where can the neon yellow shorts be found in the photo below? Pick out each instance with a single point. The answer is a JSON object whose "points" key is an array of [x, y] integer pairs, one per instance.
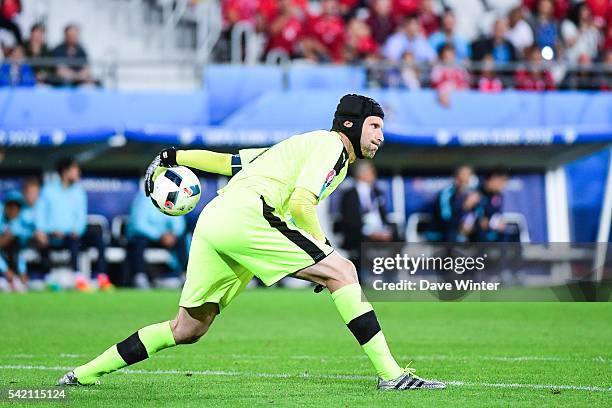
{"points": [[239, 236]]}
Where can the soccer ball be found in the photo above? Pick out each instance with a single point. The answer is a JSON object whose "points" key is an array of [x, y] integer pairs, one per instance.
{"points": [[176, 191]]}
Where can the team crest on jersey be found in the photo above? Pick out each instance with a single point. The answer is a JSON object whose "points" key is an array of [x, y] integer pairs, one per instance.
{"points": [[328, 180]]}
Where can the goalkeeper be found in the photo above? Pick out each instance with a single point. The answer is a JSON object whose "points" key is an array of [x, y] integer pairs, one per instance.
{"points": [[264, 223]]}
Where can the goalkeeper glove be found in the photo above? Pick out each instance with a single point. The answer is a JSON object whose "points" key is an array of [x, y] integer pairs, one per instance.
{"points": [[166, 158]]}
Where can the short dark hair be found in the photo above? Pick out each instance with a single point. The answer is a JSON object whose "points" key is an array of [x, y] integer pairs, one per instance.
{"points": [[445, 46], [32, 180], [410, 17], [69, 26], [37, 26], [497, 172], [13, 198], [64, 163], [463, 166], [11, 202]]}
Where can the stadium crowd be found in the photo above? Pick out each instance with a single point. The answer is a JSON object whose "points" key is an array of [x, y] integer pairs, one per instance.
{"points": [[538, 45], [415, 43], [28, 62]]}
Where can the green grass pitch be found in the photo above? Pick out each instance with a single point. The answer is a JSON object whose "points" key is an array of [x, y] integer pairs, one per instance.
{"points": [[277, 347]]}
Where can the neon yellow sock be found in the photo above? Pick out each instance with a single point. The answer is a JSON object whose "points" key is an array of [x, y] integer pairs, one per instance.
{"points": [[359, 316], [135, 348]]}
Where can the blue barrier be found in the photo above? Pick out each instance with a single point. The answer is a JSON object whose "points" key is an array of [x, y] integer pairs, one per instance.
{"points": [[230, 87], [345, 78], [585, 185], [56, 117], [473, 118], [526, 194], [43, 117]]}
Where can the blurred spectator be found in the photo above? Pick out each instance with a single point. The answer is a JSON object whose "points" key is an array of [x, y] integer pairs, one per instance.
{"points": [[580, 34], [534, 77], [519, 32], [61, 218], [489, 81], [406, 74], [546, 27], [235, 11], [363, 213], [410, 73], [147, 227], [584, 76], [61, 213], [559, 7], [606, 74], [447, 76], [286, 27], [325, 37], [405, 8], [74, 70], [30, 192], [377, 71], [608, 40], [489, 223], [496, 45], [15, 72], [381, 20], [348, 8], [36, 48], [409, 38], [429, 20], [447, 34], [602, 11], [9, 9], [269, 9], [452, 205], [360, 44], [7, 43], [12, 264]]}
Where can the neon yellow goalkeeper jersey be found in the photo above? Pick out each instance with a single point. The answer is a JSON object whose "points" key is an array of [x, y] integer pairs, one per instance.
{"points": [[316, 161]]}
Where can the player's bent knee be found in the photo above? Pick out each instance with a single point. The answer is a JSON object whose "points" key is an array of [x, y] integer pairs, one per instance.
{"points": [[342, 273], [185, 333], [191, 324], [346, 273], [333, 272]]}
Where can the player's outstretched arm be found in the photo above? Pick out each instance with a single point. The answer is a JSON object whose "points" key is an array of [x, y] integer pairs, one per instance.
{"points": [[225, 164], [302, 207], [205, 160]]}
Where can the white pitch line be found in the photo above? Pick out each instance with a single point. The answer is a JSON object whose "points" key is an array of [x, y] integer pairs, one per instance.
{"points": [[315, 376], [247, 357], [536, 386], [598, 359]]}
